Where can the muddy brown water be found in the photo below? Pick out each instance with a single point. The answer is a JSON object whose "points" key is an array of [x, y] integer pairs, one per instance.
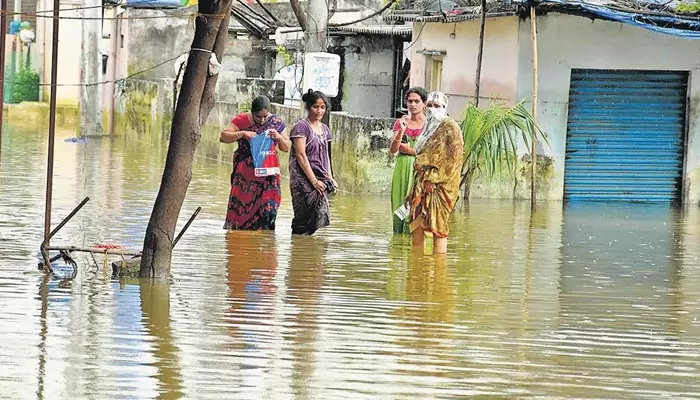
{"points": [[579, 301]]}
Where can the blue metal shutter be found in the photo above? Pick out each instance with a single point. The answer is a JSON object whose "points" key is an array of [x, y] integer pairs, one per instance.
{"points": [[625, 136]]}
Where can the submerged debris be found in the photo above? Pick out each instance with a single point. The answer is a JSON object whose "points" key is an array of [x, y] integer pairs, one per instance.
{"points": [[120, 269]]}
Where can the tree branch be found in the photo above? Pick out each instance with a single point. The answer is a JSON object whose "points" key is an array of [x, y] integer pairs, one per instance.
{"points": [[300, 14], [374, 14], [208, 96]]}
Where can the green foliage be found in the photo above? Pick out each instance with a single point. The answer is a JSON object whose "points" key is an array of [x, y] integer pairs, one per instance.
{"points": [[22, 86], [244, 107], [688, 7], [26, 86], [288, 60], [490, 138]]}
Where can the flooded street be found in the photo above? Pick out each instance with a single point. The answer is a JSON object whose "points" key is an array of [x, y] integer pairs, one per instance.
{"points": [[581, 301]]}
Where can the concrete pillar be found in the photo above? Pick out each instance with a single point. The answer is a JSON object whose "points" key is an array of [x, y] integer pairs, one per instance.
{"points": [[91, 64]]}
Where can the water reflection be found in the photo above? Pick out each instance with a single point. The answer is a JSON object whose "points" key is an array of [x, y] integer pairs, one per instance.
{"points": [[252, 266], [155, 307], [621, 297], [572, 301], [43, 336], [305, 279]]}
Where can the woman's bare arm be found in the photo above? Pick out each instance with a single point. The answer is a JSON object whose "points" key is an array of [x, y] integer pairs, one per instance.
{"points": [[398, 135], [283, 142], [303, 160], [232, 133], [396, 141]]}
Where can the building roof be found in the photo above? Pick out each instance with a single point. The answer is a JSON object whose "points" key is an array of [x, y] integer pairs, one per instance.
{"points": [[652, 16], [446, 19], [384, 30], [655, 15], [429, 11]]}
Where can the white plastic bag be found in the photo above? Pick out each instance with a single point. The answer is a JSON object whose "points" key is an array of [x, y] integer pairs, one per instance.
{"points": [[402, 212], [214, 65]]}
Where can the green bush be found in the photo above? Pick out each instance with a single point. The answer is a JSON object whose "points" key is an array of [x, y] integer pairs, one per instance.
{"points": [[26, 86]]}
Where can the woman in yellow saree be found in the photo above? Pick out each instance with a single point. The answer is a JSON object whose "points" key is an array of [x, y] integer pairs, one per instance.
{"points": [[437, 171]]}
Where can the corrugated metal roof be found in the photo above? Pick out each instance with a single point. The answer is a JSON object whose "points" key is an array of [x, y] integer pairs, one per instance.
{"points": [[418, 17], [389, 30]]}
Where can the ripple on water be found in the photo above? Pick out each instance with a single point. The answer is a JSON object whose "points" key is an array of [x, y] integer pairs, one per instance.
{"points": [[577, 301]]}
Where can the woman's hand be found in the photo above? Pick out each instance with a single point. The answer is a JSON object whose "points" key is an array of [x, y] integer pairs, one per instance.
{"points": [[335, 184], [405, 148], [276, 136], [249, 134], [281, 138], [403, 122], [398, 135], [320, 186]]}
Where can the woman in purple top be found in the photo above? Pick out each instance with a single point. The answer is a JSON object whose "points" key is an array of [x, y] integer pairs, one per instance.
{"points": [[310, 172]]}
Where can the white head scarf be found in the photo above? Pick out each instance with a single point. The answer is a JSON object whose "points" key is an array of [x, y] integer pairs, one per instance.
{"points": [[435, 118], [439, 99]]}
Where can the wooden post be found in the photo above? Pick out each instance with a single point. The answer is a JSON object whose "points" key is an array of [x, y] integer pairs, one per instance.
{"points": [[3, 27], [480, 55], [533, 140]]}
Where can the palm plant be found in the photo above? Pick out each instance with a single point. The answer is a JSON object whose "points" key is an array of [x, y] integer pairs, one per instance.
{"points": [[490, 139]]}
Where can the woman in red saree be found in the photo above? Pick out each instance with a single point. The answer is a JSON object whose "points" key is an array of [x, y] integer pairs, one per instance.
{"points": [[253, 201]]}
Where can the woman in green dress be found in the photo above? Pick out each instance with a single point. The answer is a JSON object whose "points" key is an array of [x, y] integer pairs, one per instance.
{"points": [[406, 130]]}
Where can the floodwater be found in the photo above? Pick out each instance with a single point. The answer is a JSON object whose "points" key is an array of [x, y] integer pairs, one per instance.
{"points": [[580, 301]]}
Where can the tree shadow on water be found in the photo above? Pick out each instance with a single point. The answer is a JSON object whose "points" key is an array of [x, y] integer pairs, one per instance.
{"points": [[155, 306]]}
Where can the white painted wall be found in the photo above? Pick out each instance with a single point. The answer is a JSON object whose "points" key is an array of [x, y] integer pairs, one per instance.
{"points": [[70, 32], [499, 71], [566, 42]]}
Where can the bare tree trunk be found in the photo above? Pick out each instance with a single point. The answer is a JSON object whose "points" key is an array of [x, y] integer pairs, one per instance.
{"points": [[299, 13], [467, 191], [466, 183], [316, 32], [193, 106]]}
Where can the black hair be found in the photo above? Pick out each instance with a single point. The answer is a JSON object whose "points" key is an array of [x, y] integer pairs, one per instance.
{"points": [[422, 93], [311, 97], [260, 103]]}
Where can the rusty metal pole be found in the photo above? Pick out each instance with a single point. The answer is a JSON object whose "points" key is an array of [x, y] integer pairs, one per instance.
{"points": [[52, 120], [3, 37]]}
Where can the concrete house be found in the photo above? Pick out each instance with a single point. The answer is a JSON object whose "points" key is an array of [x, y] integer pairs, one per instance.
{"points": [[618, 91], [371, 54]]}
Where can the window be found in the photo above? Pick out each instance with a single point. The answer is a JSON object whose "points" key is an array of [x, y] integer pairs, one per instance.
{"points": [[434, 77]]}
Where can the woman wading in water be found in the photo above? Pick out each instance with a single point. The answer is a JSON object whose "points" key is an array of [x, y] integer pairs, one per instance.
{"points": [[406, 130], [437, 171], [310, 176], [253, 201]]}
